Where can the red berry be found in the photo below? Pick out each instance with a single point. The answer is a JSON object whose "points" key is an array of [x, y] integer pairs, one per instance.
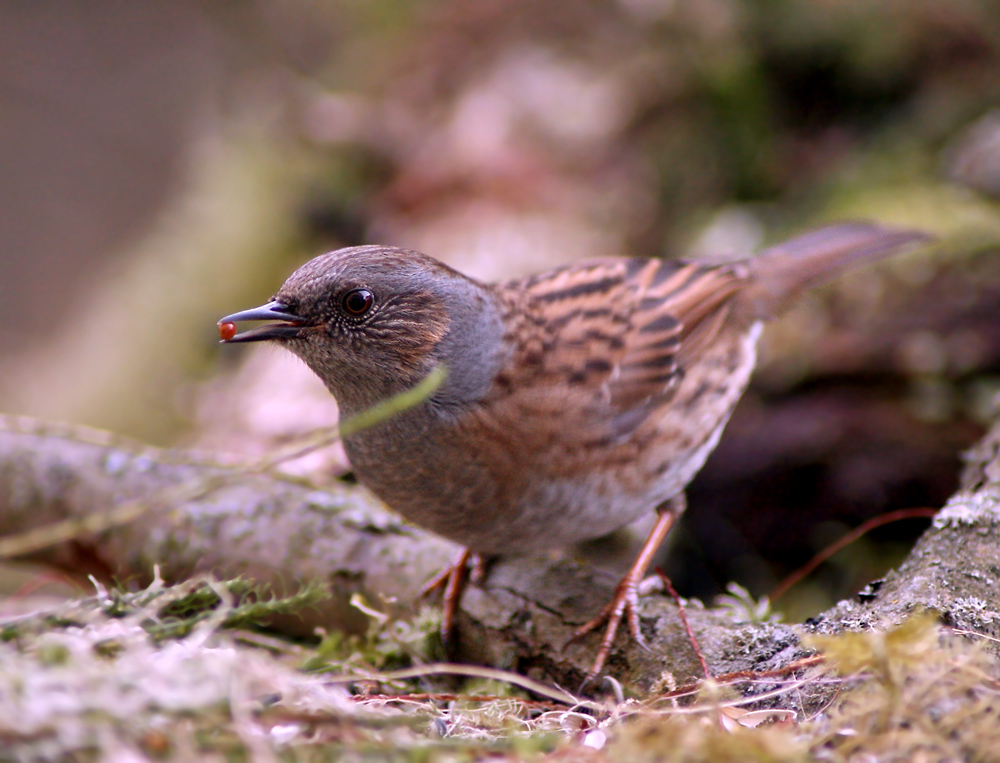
{"points": [[227, 331]]}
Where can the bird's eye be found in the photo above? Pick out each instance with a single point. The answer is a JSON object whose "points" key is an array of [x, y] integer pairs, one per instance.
{"points": [[358, 302]]}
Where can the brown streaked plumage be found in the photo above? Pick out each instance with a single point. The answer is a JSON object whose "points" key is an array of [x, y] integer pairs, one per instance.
{"points": [[575, 400]]}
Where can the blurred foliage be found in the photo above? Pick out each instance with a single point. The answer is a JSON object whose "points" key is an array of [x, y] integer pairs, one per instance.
{"points": [[500, 136], [727, 102]]}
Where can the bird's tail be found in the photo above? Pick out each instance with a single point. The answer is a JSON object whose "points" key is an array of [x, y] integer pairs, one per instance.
{"points": [[779, 274]]}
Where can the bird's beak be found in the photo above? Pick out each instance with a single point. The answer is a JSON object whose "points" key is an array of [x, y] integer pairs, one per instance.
{"points": [[290, 325]]}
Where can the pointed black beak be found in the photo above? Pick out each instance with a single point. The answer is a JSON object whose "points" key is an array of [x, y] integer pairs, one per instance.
{"points": [[290, 326]]}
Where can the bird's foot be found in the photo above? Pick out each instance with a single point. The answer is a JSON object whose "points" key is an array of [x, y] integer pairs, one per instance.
{"points": [[623, 606], [451, 582], [625, 603]]}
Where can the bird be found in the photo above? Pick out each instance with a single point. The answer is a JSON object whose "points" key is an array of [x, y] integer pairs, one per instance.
{"points": [[573, 402]]}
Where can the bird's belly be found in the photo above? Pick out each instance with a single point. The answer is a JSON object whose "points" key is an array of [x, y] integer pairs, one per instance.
{"points": [[462, 498]]}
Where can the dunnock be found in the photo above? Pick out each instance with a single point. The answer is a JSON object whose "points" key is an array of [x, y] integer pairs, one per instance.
{"points": [[574, 401]]}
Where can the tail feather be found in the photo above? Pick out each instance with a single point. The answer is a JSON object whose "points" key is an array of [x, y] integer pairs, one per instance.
{"points": [[779, 274]]}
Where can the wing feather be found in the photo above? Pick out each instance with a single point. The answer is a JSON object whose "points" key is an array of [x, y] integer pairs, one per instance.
{"points": [[626, 329]]}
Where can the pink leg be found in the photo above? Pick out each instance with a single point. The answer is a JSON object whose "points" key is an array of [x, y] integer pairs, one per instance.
{"points": [[625, 602], [451, 580]]}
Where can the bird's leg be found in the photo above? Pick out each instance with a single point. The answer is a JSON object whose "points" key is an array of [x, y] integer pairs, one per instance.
{"points": [[451, 581], [625, 602]]}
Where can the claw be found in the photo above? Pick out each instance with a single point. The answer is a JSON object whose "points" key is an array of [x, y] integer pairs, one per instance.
{"points": [[624, 605]]}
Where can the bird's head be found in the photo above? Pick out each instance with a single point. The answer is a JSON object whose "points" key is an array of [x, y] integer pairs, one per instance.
{"points": [[372, 321]]}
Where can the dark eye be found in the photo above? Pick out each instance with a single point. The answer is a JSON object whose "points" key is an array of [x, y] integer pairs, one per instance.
{"points": [[358, 302]]}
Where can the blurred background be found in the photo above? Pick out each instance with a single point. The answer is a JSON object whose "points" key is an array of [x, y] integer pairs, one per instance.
{"points": [[165, 163]]}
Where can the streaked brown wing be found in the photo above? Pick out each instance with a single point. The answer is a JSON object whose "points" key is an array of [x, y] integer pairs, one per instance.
{"points": [[626, 329]]}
